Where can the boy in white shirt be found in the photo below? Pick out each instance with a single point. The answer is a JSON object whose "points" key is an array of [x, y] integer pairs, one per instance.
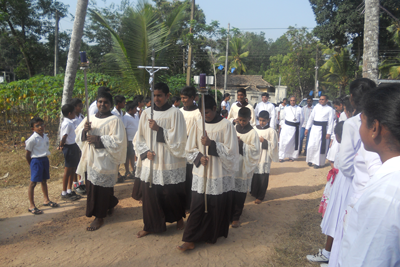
{"points": [[119, 102], [71, 151], [131, 122], [78, 105], [37, 150]]}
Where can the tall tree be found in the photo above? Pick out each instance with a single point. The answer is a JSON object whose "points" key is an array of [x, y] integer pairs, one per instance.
{"points": [[237, 53], [73, 54]]}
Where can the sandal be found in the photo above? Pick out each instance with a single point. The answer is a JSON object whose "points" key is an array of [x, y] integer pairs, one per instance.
{"points": [[51, 204], [35, 211], [128, 175]]}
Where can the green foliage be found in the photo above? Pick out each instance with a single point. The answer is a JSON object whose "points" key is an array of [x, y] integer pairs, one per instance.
{"points": [[237, 50], [41, 96], [175, 83]]}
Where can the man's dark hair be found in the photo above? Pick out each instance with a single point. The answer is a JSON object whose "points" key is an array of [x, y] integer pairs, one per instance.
{"points": [[224, 112], [147, 100], [103, 89], [226, 95], [310, 97], [327, 97], [242, 90], [131, 105], [66, 109], [162, 87], [244, 113], [35, 120], [175, 98], [264, 114], [209, 102], [75, 102], [139, 98], [119, 99], [265, 94], [189, 91], [284, 99], [107, 96], [359, 88]]}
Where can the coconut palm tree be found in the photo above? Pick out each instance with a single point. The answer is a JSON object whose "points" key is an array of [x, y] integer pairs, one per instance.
{"points": [[236, 48], [141, 31], [339, 67], [391, 66]]}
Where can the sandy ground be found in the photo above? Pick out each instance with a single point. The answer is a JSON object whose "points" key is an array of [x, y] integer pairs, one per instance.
{"points": [[59, 237]]}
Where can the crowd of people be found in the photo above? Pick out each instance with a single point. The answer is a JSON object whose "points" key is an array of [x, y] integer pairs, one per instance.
{"points": [[178, 170]]}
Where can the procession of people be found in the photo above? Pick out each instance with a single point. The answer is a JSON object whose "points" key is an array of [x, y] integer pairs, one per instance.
{"points": [[179, 171]]}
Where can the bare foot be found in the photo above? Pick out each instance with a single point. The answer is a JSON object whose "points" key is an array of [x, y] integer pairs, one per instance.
{"points": [[96, 224], [235, 224], [110, 212], [185, 246], [187, 212], [180, 225], [142, 233], [257, 201], [291, 160]]}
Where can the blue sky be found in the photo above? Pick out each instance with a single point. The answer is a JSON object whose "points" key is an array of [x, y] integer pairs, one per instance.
{"points": [[247, 15]]}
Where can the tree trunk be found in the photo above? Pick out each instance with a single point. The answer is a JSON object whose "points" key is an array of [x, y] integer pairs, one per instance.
{"points": [[371, 37], [73, 54]]}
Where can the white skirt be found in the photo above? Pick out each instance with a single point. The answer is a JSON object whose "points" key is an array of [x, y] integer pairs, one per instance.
{"points": [[333, 150], [336, 204]]}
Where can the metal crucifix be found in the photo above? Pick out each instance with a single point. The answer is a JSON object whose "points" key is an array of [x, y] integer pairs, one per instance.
{"points": [[152, 70]]}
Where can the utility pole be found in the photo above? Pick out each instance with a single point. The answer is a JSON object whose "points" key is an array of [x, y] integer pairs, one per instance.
{"points": [[371, 38], [226, 58], [316, 74], [215, 75], [189, 65], [56, 44]]}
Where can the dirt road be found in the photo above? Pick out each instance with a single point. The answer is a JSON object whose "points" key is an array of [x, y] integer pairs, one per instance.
{"points": [[59, 236]]}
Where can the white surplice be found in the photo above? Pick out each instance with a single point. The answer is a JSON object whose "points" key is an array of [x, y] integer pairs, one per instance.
{"points": [[270, 154], [288, 133], [170, 163], [268, 106], [221, 169], [234, 113], [372, 236], [248, 162], [322, 114], [101, 164], [191, 117]]}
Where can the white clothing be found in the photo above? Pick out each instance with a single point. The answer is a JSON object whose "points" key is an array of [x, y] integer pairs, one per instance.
{"points": [[116, 113], [191, 118], [221, 169], [101, 164], [321, 114], [372, 236], [270, 154], [268, 106], [226, 104], [281, 107], [276, 115], [78, 120], [169, 165], [234, 112], [131, 124], [68, 128], [37, 145], [342, 116], [248, 162], [306, 112], [93, 109], [288, 133]]}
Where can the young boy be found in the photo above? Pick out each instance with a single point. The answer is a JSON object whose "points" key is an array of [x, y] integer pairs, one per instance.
{"points": [[37, 150], [71, 152], [224, 114], [103, 145], [176, 101], [269, 153], [220, 164], [93, 107], [249, 150], [78, 105], [119, 102], [79, 186], [164, 201], [241, 102], [131, 122], [192, 114], [147, 102]]}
